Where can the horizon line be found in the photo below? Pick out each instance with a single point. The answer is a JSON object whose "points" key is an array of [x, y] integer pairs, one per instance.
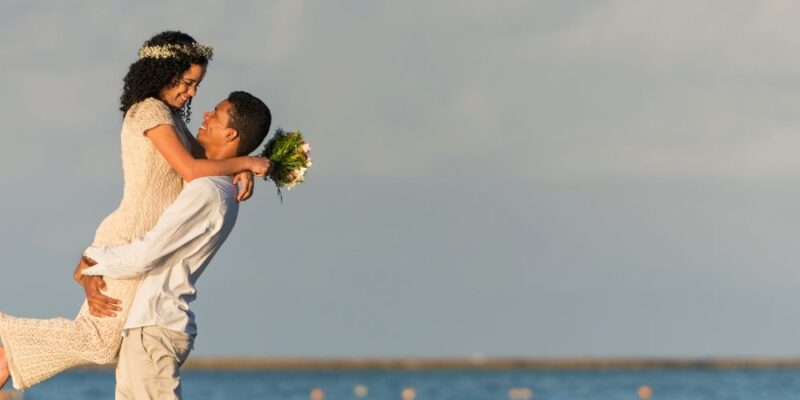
{"points": [[494, 363]]}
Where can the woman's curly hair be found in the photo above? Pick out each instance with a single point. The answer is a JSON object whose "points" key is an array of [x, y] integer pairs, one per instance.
{"points": [[147, 76]]}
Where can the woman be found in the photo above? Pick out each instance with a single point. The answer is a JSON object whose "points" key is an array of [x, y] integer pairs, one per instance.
{"points": [[157, 156]]}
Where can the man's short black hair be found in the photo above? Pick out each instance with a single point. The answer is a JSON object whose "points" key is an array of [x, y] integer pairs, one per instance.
{"points": [[251, 118]]}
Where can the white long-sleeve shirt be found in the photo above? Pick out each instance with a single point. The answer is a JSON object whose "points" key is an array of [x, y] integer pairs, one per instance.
{"points": [[173, 254]]}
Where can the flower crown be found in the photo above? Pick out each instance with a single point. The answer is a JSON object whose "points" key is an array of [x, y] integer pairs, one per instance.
{"points": [[176, 50]]}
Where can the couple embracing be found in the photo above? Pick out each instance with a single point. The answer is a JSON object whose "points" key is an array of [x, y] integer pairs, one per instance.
{"points": [[179, 204]]}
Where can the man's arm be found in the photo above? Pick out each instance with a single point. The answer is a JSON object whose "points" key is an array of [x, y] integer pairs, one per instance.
{"points": [[189, 217]]}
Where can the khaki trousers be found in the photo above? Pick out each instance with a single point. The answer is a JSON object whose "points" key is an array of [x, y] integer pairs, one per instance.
{"points": [[149, 363]]}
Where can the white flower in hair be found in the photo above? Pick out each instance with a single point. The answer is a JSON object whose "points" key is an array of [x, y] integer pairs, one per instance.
{"points": [[174, 50]]}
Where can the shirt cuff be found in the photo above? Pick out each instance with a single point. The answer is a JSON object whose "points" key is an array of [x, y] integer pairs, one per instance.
{"points": [[94, 252], [91, 271]]}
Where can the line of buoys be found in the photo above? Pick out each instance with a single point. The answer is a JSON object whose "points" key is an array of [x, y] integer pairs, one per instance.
{"points": [[523, 393]]}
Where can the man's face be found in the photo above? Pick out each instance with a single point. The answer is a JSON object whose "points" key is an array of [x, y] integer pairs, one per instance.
{"points": [[214, 131]]}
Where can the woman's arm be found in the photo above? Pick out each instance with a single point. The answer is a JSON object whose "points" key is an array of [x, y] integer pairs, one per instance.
{"points": [[165, 139], [243, 177]]}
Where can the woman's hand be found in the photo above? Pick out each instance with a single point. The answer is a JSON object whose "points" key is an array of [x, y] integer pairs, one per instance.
{"points": [[260, 165], [246, 188]]}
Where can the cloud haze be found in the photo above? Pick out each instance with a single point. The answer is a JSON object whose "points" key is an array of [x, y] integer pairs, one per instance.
{"points": [[605, 178]]}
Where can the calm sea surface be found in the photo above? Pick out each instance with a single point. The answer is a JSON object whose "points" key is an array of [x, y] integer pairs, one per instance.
{"points": [[674, 384]]}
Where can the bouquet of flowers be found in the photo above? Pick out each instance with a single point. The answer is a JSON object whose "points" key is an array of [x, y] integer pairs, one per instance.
{"points": [[289, 155]]}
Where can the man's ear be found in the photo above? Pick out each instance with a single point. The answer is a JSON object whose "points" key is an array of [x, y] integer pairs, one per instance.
{"points": [[231, 134]]}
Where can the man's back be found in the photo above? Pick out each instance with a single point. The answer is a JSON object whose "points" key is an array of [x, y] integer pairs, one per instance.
{"points": [[173, 254]]}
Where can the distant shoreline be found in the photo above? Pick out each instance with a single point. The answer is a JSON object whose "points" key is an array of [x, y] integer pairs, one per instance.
{"points": [[423, 364]]}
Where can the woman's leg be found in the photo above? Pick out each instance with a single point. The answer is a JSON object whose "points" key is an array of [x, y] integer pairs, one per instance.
{"points": [[36, 349], [4, 374]]}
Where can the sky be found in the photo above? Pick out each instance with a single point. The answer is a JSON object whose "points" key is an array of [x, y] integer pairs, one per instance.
{"points": [[491, 179]]}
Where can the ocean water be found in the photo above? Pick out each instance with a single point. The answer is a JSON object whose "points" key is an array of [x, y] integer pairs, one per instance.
{"points": [[674, 384]]}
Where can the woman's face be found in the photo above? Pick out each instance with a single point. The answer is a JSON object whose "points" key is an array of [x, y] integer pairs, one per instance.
{"points": [[177, 96]]}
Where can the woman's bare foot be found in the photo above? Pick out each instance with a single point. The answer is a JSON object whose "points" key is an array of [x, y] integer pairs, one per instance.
{"points": [[4, 373]]}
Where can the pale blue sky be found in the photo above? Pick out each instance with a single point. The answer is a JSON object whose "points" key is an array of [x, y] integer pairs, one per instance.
{"points": [[509, 178]]}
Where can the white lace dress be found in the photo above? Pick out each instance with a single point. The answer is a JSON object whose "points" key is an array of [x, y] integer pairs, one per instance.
{"points": [[37, 349]]}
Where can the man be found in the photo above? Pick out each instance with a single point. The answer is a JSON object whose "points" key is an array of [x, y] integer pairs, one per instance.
{"points": [[160, 329]]}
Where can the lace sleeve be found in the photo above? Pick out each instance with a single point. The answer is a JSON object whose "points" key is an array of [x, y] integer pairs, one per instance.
{"points": [[147, 114]]}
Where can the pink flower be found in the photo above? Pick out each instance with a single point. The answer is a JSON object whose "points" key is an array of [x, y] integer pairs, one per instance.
{"points": [[306, 149]]}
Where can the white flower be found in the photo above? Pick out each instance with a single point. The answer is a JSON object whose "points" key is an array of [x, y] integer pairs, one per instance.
{"points": [[173, 50]]}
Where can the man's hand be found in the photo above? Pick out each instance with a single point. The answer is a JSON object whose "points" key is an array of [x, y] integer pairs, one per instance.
{"points": [[100, 305], [84, 263]]}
